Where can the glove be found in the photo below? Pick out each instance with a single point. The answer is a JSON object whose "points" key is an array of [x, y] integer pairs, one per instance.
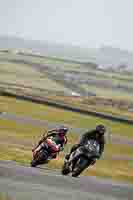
{"points": [[33, 149]]}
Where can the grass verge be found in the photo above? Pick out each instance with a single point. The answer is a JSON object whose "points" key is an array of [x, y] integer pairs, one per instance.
{"points": [[17, 140], [42, 112], [19, 149]]}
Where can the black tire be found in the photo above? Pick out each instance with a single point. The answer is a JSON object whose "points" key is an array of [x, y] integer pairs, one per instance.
{"points": [[34, 163], [65, 170], [41, 158], [80, 166]]}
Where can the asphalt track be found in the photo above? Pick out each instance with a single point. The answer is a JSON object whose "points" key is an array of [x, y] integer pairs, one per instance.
{"points": [[21, 182], [33, 183]]}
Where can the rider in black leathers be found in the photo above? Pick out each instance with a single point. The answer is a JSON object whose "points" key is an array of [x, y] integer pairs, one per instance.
{"points": [[97, 134]]}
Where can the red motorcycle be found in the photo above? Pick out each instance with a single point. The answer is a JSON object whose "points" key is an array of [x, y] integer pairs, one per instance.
{"points": [[45, 152]]}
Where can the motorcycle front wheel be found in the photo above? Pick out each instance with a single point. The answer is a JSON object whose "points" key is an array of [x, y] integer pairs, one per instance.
{"points": [[40, 159], [80, 166], [65, 169]]}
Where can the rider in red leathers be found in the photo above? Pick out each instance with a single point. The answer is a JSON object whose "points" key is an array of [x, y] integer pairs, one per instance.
{"points": [[58, 135]]}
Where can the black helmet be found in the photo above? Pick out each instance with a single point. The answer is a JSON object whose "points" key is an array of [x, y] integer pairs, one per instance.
{"points": [[100, 129], [63, 130]]}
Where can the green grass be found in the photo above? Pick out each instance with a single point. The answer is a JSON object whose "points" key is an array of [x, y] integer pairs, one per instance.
{"points": [[118, 170], [17, 140], [19, 155], [11, 130], [19, 69], [19, 73], [44, 60], [114, 81], [112, 75], [91, 104], [35, 82], [26, 75], [109, 93], [118, 149], [64, 66], [5, 196], [51, 114]]}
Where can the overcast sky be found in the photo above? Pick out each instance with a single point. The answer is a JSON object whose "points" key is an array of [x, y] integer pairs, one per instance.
{"points": [[88, 23]]}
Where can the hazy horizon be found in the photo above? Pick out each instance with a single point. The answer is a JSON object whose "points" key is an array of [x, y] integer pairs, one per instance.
{"points": [[84, 23]]}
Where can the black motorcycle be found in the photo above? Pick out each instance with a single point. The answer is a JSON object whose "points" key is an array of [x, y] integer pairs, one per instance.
{"points": [[81, 158]]}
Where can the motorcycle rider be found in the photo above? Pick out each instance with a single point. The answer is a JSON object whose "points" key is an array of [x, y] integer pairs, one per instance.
{"points": [[97, 134], [58, 135]]}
